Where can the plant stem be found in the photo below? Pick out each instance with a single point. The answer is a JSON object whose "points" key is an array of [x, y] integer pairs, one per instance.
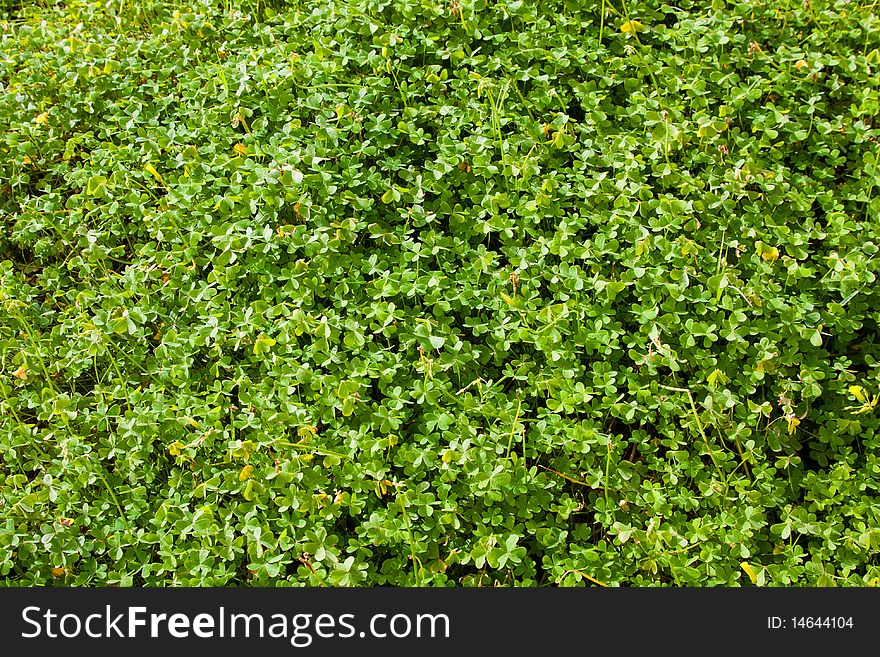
{"points": [[702, 432], [607, 472], [417, 566], [113, 496], [513, 428], [307, 447], [585, 576]]}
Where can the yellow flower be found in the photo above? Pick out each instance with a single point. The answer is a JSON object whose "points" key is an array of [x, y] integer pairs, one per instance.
{"points": [[240, 149], [306, 432], [632, 26], [771, 254], [20, 373], [858, 392], [801, 63], [42, 119], [793, 422], [767, 252]]}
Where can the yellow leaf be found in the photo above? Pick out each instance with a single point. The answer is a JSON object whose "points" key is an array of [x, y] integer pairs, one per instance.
{"points": [[747, 568], [42, 119], [149, 168], [632, 26], [246, 473], [858, 392], [20, 373], [715, 377], [437, 566]]}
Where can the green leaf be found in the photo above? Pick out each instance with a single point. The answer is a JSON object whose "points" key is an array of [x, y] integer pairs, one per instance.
{"points": [[203, 518], [263, 345], [96, 185], [248, 492], [613, 288]]}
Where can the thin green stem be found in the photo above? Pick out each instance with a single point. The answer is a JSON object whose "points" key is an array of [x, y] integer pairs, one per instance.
{"points": [[417, 565], [307, 447], [700, 427], [513, 428], [36, 348], [607, 473], [21, 425], [113, 496]]}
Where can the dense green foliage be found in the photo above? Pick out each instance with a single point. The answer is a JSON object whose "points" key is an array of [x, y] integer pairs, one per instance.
{"points": [[439, 292]]}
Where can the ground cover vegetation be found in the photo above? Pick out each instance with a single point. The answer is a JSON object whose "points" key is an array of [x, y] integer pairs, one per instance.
{"points": [[439, 292]]}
